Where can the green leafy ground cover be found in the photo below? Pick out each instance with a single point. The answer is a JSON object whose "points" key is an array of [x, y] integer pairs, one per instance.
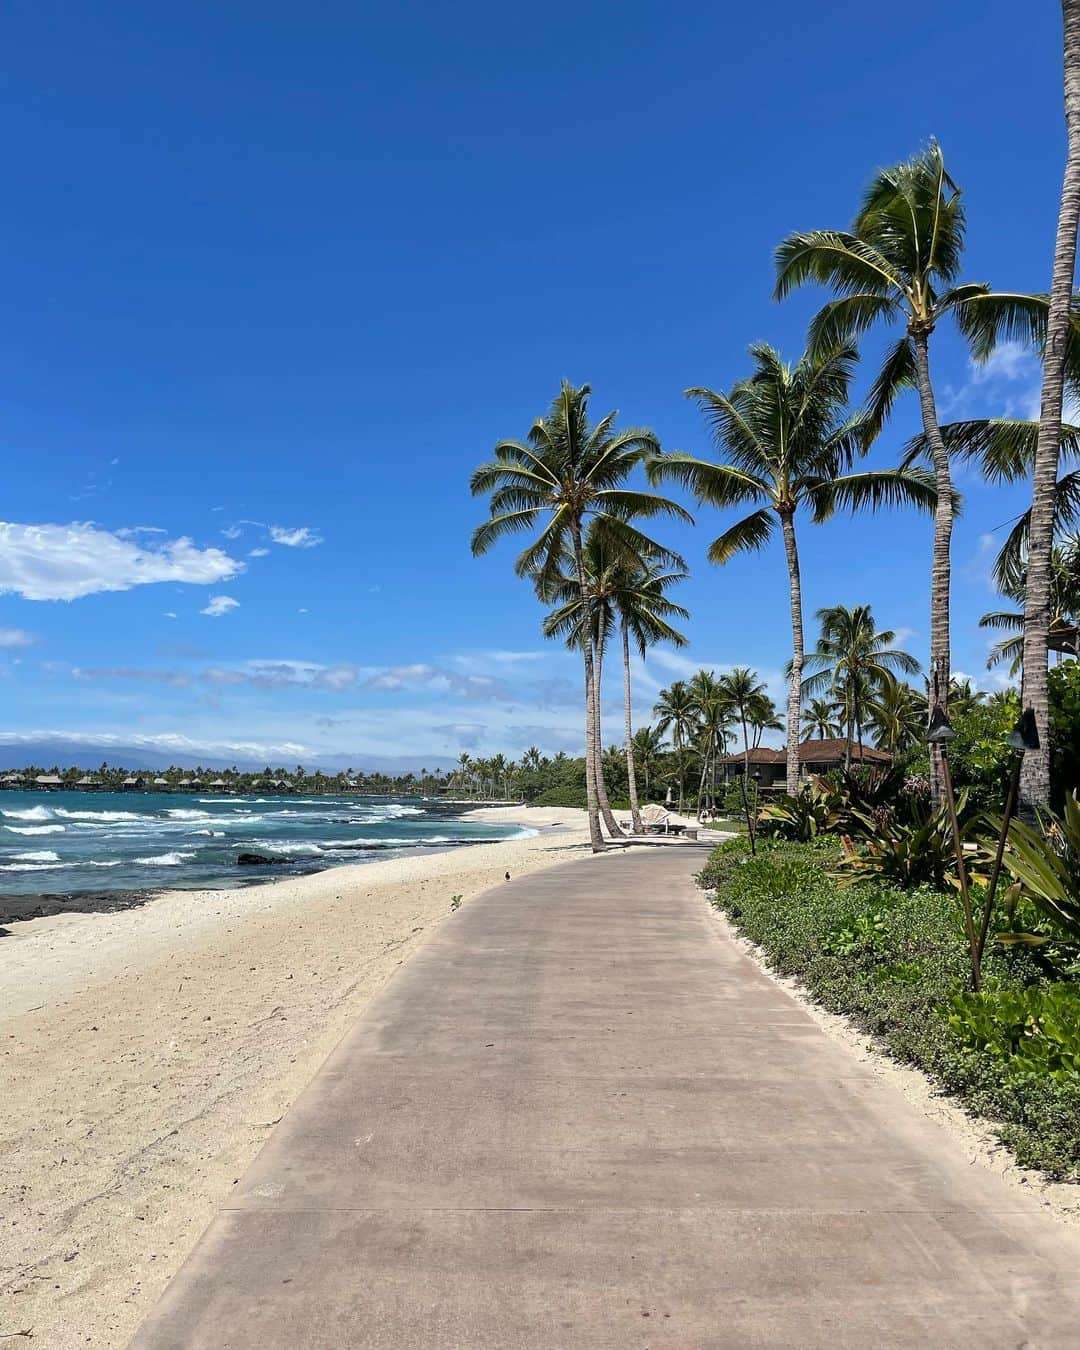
{"points": [[895, 961]]}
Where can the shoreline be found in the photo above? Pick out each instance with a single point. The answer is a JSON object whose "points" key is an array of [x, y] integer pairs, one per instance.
{"points": [[146, 1054]]}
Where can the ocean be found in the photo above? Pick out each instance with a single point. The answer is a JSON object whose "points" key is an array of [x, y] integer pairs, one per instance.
{"points": [[87, 841]]}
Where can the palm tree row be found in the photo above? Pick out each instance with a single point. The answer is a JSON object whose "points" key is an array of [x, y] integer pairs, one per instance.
{"points": [[788, 439]]}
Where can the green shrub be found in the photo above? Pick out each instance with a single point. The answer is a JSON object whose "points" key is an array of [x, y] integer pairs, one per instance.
{"points": [[1030, 1031], [561, 796], [895, 960]]}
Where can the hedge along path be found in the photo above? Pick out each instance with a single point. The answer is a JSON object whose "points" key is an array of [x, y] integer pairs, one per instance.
{"points": [[580, 1117]]}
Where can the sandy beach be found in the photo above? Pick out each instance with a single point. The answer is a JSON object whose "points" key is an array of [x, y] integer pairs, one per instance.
{"points": [[147, 1054]]}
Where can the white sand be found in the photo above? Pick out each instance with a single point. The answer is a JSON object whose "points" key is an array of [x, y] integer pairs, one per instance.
{"points": [[146, 1055]]}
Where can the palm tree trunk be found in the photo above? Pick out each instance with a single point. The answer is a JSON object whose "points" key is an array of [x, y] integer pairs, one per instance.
{"points": [[606, 813], [631, 778], [701, 805], [596, 838], [1035, 773], [940, 571], [794, 706], [682, 767]]}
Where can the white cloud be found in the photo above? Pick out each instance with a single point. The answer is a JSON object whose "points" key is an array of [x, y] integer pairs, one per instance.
{"points": [[1008, 361], [172, 677], [303, 536], [258, 553], [232, 531], [65, 562], [219, 605], [169, 614], [16, 637], [285, 674]]}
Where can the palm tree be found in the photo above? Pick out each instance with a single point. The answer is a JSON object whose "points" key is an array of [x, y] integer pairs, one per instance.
{"points": [[896, 716], [742, 690], [853, 661], [762, 717], [714, 717], [585, 617], [789, 442], [648, 744], [626, 592], [819, 720], [565, 472], [643, 612], [900, 260], [674, 710], [1063, 634], [963, 696], [1035, 772]]}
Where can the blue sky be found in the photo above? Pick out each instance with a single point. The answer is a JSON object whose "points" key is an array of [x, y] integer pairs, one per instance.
{"points": [[278, 276]]}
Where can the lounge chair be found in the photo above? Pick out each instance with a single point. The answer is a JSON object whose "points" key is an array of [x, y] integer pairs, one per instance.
{"points": [[658, 821]]}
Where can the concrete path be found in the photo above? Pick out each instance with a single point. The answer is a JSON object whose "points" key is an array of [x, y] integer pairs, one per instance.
{"points": [[580, 1118]]}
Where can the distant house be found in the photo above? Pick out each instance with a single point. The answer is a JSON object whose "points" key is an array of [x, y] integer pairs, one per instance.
{"points": [[218, 784], [86, 782], [11, 780], [768, 767], [133, 784], [49, 781], [161, 782], [187, 782]]}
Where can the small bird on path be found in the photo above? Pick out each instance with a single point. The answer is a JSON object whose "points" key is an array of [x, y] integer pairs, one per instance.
{"points": [[508, 876]]}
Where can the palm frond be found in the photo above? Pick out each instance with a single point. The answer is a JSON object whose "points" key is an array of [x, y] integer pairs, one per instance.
{"points": [[715, 484], [1004, 447], [848, 317], [747, 536], [896, 374], [833, 258], [875, 488]]}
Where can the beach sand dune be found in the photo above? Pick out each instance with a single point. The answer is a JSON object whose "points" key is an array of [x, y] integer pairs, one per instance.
{"points": [[146, 1055]]}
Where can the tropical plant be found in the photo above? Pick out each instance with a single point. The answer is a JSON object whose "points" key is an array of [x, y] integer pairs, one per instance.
{"points": [[1047, 864], [789, 442], [819, 720], [1064, 682], [566, 472], [906, 854], [900, 261], [817, 808], [854, 662], [675, 711]]}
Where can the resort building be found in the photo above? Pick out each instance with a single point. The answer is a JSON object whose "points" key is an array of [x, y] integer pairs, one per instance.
{"points": [[768, 767]]}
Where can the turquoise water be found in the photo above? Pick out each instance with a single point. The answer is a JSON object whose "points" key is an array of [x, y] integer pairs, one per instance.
{"points": [[87, 841]]}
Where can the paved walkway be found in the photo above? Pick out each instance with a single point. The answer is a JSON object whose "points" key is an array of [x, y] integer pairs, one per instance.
{"points": [[579, 1118]]}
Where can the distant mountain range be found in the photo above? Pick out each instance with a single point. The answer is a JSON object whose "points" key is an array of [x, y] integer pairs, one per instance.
{"points": [[86, 755]]}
